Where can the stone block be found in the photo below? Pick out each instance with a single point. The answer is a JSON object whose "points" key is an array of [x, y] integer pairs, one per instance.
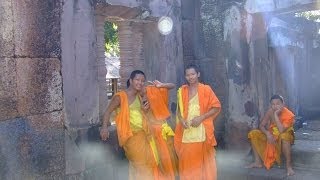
{"points": [[212, 30], [75, 164], [43, 149], [305, 154], [187, 38], [11, 138], [208, 10], [40, 85], [52, 176], [198, 39], [37, 28], [6, 29], [8, 91], [237, 135], [188, 9]]}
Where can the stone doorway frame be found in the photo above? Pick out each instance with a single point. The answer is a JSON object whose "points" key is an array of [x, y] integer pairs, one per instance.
{"points": [[130, 23]]}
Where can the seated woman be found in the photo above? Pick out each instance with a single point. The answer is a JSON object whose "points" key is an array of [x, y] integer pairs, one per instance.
{"points": [[275, 135]]}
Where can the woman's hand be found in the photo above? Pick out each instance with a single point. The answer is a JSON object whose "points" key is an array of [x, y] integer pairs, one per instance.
{"points": [[145, 105], [195, 122], [184, 123], [104, 133], [270, 138], [157, 83]]}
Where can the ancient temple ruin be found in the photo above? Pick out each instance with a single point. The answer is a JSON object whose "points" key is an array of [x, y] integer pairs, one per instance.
{"points": [[53, 85]]}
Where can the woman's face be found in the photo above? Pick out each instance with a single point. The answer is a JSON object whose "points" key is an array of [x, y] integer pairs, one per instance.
{"points": [[137, 82], [276, 104], [192, 76]]}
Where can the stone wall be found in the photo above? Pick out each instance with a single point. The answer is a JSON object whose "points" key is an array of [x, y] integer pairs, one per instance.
{"points": [[31, 103], [248, 64], [229, 40]]}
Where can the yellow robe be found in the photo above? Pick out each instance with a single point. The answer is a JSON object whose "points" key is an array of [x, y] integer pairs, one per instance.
{"points": [[162, 132], [270, 153], [135, 138], [197, 159]]}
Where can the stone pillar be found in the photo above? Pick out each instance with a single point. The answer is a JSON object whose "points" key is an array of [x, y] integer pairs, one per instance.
{"points": [[100, 63], [206, 47], [131, 49], [137, 46], [247, 68], [82, 73], [126, 58]]}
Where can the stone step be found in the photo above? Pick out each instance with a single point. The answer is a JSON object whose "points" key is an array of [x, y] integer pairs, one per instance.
{"points": [[263, 174], [231, 165], [306, 148], [306, 154]]}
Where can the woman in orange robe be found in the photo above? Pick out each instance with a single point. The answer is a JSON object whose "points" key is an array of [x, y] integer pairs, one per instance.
{"points": [[158, 97], [194, 138], [133, 133], [275, 135]]}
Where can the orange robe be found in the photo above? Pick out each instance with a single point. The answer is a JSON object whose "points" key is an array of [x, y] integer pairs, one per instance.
{"points": [[142, 164], [158, 99], [270, 153], [197, 160]]}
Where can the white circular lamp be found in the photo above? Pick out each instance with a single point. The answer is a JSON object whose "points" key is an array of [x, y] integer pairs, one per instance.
{"points": [[165, 25]]}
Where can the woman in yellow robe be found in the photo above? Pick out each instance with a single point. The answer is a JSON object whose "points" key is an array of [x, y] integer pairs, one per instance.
{"points": [[133, 133], [157, 94], [275, 135], [194, 138]]}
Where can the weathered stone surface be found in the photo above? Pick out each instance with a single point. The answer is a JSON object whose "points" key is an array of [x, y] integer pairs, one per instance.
{"points": [[54, 176], [79, 68], [11, 159], [8, 88], [37, 28], [40, 85], [188, 9], [75, 163], [157, 8], [6, 29], [163, 54], [198, 39], [43, 149], [129, 3], [212, 25], [306, 154], [254, 6], [187, 38], [236, 135]]}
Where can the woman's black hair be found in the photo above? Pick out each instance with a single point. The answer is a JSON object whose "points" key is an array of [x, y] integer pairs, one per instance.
{"points": [[128, 83], [277, 96], [135, 72], [192, 66], [133, 75]]}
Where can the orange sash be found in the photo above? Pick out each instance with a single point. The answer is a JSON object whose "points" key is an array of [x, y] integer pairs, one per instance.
{"points": [[158, 99]]}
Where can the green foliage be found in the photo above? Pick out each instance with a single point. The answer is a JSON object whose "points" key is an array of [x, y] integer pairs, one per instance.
{"points": [[111, 39], [310, 15]]}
